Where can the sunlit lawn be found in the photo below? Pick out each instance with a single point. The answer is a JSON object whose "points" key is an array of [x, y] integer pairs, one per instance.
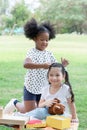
{"points": [[13, 51]]}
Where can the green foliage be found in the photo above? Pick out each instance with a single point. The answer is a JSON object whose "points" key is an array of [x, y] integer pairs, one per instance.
{"points": [[20, 14], [68, 15], [17, 16], [72, 14], [9, 22]]}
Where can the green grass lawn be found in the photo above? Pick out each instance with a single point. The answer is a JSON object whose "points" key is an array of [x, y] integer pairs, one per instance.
{"points": [[12, 54]]}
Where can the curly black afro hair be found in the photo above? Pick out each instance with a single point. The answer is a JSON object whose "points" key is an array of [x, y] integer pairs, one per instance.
{"points": [[32, 29]]}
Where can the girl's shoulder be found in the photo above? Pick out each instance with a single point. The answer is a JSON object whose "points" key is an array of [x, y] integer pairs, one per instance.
{"points": [[65, 86], [65, 90], [30, 53], [31, 50]]}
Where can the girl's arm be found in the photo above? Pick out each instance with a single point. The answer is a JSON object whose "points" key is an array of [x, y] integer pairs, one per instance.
{"points": [[45, 103], [30, 65], [73, 110]]}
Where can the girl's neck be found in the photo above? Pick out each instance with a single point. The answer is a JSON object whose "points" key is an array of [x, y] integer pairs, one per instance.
{"points": [[54, 89], [39, 49]]}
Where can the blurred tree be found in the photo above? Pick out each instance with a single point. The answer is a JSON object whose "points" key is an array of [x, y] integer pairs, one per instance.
{"points": [[20, 14], [68, 15], [16, 16]]}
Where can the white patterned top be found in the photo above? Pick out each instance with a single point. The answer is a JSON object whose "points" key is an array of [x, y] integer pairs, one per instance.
{"points": [[35, 79]]}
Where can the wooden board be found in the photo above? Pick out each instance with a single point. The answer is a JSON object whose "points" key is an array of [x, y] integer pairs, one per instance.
{"points": [[15, 120]]}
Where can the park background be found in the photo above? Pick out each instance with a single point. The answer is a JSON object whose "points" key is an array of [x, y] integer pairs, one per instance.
{"points": [[70, 19]]}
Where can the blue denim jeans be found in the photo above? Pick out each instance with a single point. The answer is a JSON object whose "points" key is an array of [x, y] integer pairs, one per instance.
{"points": [[39, 113]]}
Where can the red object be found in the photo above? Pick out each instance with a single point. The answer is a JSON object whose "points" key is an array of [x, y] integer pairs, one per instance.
{"points": [[34, 122]]}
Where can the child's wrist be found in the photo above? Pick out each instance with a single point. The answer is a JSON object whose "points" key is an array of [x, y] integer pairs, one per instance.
{"points": [[75, 120]]}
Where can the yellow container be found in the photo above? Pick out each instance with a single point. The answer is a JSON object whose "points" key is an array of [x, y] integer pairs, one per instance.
{"points": [[58, 122]]}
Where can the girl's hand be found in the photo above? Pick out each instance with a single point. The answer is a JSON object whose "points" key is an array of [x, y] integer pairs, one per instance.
{"points": [[64, 62], [49, 103]]}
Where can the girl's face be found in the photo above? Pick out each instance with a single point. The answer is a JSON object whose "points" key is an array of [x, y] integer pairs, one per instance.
{"points": [[55, 76], [42, 41]]}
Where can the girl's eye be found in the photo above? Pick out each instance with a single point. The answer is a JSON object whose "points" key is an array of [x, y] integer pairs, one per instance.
{"points": [[57, 75], [44, 40], [41, 39], [51, 74]]}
